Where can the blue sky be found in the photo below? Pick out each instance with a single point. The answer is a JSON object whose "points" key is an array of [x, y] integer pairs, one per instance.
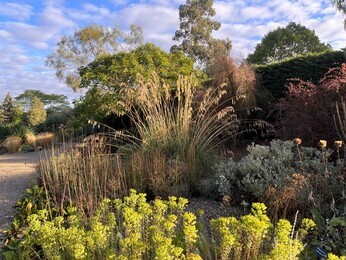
{"points": [[29, 30]]}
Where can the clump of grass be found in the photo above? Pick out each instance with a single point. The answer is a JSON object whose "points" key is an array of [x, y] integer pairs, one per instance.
{"points": [[12, 144], [173, 147], [45, 140], [152, 171], [82, 177], [30, 139], [174, 123]]}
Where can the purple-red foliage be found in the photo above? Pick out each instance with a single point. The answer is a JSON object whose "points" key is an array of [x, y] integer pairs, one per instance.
{"points": [[307, 110]]}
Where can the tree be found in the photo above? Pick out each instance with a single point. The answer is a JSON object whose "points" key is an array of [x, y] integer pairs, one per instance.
{"points": [[196, 27], [87, 44], [52, 102], [37, 114], [106, 78], [287, 42], [58, 109], [11, 113]]}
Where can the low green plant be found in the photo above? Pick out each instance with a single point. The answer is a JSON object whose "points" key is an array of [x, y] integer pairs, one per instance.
{"points": [[34, 201], [331, 233], [133, 228], [25, 148]]}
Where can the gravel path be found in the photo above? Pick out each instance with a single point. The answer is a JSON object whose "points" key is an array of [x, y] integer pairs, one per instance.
{"points": [[17, 173]]}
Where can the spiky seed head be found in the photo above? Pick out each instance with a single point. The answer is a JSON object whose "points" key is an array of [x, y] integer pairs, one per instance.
{"points": [[322, 144], [297, 141], [338, 144]]}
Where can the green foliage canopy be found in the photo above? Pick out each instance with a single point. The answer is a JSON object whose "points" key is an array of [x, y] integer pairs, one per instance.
{"points": [[310, 67], [37, 114], [51, 101], [10, 112], [108, 76], [282, 43], [88, 44], [195, 32]]}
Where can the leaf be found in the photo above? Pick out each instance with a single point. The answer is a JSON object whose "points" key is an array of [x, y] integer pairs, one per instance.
{"points": [[337, 221], [8, 255], [317, 217]]}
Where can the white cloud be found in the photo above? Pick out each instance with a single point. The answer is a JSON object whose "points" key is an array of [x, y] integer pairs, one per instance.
{"points": [[54, 18], [6, 35], [153, 19], [19, 74], [20, 12], [90, 13], [28, 34], [246, 23]]}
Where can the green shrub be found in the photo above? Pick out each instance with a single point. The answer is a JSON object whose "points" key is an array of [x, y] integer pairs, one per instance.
{"points": [[275, 76], [132, 228], [25, 148], [5, 131]]}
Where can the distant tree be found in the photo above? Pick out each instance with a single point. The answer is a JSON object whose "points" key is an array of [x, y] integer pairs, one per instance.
{"points": [[106, 78], [195, 32], [10, 112], [287, 42], [52, 102], [37, 113], [88, 44]]}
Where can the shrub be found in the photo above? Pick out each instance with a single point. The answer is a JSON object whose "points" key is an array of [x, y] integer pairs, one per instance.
{"points": [[13, 129], [311, 67], [285, 178], [243, 91], [132, 228], [5, 131], [308, 108], [25, 148]]}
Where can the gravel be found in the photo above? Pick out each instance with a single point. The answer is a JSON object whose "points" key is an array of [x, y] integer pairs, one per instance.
{"points": [[17, 173]]}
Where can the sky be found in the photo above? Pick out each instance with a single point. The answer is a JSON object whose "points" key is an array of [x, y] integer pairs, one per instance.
{"points": [[30, 30]]}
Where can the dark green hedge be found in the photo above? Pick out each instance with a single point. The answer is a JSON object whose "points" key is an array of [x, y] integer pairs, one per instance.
{"points": [[311, 67]]}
